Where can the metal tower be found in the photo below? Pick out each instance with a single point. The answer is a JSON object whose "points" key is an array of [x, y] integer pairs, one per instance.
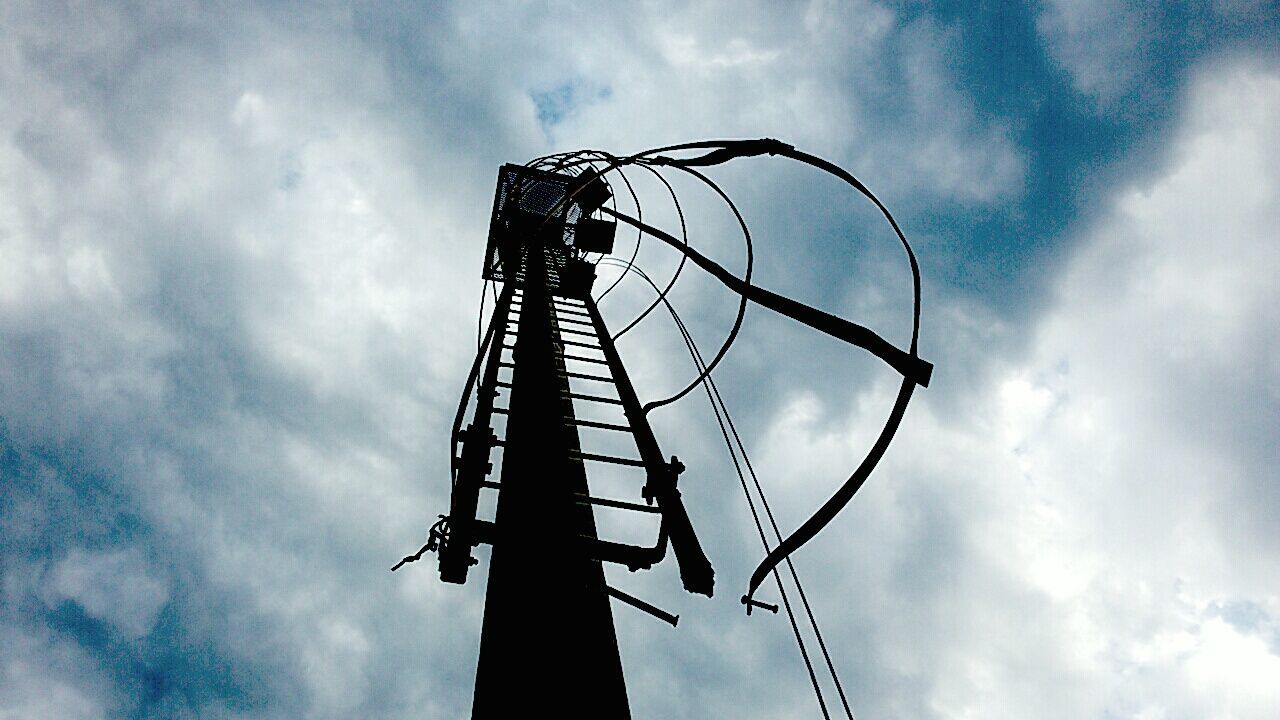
{"points": [[548, 639], [544, 370]]}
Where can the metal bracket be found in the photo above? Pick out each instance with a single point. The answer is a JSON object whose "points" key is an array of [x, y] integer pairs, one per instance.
{"points": [[641, 605], [750, 603]]}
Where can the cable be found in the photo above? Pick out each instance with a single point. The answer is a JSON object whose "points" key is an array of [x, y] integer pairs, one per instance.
{"points": [[910, 365], [804, 599], [764, 501], [755, 515], [684, 237], [718, 406], [742, 305], [914, 370]]}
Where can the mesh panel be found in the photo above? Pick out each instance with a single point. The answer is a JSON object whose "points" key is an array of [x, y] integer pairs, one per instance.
{"points": [[540, 195], [522, 212]]}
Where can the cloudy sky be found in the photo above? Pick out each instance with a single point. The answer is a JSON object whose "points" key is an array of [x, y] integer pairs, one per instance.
{"points": [[239, 268]]}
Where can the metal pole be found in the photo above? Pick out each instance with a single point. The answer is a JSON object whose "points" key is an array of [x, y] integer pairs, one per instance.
{"points": [[547, 646]]}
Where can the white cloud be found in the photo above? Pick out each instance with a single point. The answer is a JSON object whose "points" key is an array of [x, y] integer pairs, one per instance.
{"points": [[114, 586], [239, 308], [42, 677], [233, 252], [1101, 44], [754, 70]]}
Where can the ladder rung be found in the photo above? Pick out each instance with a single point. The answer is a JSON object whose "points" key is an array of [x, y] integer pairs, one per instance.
{"points": [[585, 359], [608, 502], [591, 500], [575, 343], [602, 425], [607, 458], [568, 321], [595, 398], [585, 376], [570, 357]]}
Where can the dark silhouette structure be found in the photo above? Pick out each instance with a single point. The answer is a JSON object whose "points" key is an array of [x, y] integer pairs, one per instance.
{"points": [[547, 594], [545, 369]]}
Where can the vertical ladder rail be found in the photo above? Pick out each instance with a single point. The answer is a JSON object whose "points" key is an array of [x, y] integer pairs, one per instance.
{"points": [[695, 569], [474, 465]]}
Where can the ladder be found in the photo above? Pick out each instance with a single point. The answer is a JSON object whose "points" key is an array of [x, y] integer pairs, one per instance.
{"points": [[583, 340]]}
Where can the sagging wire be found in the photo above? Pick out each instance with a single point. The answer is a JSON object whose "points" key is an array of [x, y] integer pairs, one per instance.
{"points": [[727, 427], [684, 237], [742, 305]]}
